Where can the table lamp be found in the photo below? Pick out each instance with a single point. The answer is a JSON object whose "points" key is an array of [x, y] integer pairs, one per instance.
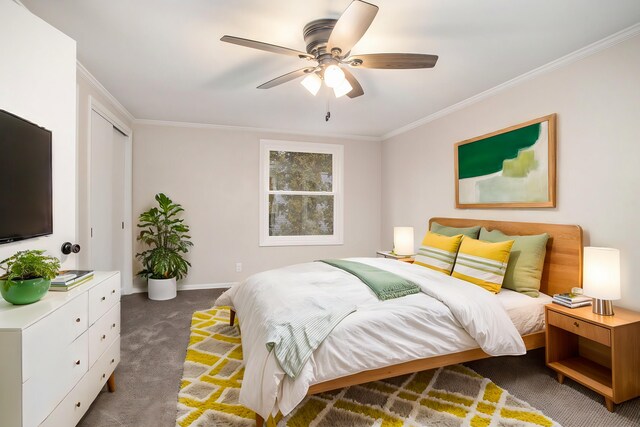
{"points": [[403, 241], [601, 278]]}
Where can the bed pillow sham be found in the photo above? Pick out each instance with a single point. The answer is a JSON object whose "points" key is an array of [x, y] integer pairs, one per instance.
{"points": [[526, 261], [482, 263], [438, 252], [454, 231]]}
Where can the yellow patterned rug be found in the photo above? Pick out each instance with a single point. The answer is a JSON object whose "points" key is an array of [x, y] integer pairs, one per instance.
{"points": [[446, 397]]}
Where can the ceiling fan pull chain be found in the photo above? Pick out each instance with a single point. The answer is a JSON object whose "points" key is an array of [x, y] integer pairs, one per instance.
{"points": [[328, 116]]}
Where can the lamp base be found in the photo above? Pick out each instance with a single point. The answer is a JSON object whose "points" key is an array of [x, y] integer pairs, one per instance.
{"points": [[603, 307]]}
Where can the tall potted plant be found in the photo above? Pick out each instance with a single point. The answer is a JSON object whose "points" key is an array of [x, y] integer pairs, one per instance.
{"points": [[27, 276], [167, 237]]}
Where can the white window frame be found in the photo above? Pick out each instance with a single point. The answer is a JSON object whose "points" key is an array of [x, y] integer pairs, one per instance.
{"points": [[337, 152]]}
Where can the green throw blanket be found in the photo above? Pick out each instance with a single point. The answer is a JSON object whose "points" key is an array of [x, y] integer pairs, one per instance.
{"points": [[384, 284]]}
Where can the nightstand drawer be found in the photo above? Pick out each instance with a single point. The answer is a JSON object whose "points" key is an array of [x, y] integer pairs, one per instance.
{"points": [[579, 327]]}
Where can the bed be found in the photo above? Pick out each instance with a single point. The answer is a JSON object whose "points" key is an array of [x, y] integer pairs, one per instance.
{"points": [[353, 354]]}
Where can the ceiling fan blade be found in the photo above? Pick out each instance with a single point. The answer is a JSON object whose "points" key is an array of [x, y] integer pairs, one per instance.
{"points": [[265, 46], [357, 89], [393, 60], [286, 77], [351, 26]]}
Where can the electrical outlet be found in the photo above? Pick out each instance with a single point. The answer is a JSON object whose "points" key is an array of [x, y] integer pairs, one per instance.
{"points": [[238, 267]]}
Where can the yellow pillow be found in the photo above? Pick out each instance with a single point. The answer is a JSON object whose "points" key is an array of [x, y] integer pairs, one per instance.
{"points": [[438, 252], [483, 263]]}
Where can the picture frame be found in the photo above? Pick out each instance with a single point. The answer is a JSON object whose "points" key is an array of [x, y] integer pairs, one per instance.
{"points": [[514, 167]]}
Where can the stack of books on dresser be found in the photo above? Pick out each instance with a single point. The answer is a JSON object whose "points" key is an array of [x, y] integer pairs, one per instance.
{"points": [[571, 300], [69, 279]]}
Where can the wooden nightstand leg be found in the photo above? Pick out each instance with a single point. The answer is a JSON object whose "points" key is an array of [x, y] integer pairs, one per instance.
{"points": [[560, 378], [111, 383], [259, 421], [610, 405], [232, 318]]}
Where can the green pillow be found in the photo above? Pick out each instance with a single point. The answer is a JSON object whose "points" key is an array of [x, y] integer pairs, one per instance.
{"points": [[453, 231], [524, 270]]}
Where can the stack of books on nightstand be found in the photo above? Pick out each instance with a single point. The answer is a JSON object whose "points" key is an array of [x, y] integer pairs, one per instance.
{"points": [[69, 279], [571, 300]]}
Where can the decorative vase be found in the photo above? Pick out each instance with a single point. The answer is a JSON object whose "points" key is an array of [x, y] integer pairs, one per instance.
{"points": [[20, 292], [162, 289]]}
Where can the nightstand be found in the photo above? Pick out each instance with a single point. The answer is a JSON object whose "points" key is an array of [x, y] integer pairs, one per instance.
{"points": [[389, 254], [600, 352]]}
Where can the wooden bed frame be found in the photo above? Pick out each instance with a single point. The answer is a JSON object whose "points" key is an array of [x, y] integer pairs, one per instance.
{"points": [[562, 271]]}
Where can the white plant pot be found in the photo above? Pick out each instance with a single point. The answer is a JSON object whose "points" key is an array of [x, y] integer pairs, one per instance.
{"points": [[162, 289]]}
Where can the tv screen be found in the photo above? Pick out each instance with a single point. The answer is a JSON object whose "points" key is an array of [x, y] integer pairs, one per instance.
{"points": [[25, 187]]}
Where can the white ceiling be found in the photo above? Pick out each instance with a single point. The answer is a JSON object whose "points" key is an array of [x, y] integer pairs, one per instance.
{"points": [[162, 59]]}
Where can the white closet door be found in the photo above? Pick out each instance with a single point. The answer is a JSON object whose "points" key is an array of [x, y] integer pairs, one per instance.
{"points": [[107, 195]]}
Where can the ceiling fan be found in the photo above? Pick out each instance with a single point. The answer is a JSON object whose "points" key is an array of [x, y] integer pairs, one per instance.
{"points": [[329, 44]]}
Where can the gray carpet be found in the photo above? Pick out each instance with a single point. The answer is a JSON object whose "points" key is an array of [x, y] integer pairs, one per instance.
{"points": [[155, 336]]}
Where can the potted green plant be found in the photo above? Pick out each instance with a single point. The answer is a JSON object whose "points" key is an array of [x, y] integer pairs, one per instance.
{"points": [[167, 237], [27, 276]]}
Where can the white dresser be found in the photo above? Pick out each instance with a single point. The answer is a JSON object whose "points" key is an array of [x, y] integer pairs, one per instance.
{"points": [[57, 354]]}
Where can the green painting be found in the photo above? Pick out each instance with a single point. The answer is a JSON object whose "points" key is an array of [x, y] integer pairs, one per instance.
{"points": [[513, 167]]}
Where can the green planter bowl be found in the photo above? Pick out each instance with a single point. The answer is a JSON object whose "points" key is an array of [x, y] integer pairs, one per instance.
{"points": [[22, 292]]}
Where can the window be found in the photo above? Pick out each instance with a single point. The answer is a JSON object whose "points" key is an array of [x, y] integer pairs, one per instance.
{"points": [[300, 193]]}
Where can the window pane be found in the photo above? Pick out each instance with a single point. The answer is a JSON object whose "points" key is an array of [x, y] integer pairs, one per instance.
{"points": [[293, 171], [300, 215]]}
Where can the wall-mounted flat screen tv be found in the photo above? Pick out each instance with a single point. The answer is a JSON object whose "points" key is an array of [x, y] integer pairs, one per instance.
{"points": [[26, 205]]}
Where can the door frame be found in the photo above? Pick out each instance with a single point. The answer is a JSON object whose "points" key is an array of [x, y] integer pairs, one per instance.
{"points": [[127, 253]]}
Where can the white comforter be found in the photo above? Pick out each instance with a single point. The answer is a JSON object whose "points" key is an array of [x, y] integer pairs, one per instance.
{"points": [[448, 316]]}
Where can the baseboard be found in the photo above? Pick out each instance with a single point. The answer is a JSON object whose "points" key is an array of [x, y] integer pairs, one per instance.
{"points": [[193, 287]]}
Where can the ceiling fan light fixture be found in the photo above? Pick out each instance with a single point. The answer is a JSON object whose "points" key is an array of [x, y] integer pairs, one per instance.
{"points": [[333, 76], [342, 89], [312, 83]]}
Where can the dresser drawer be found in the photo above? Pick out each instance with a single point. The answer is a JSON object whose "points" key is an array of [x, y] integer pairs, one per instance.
{"points": [[53, 334], [580, 327], [75, 404], [102, 297], [50, 383], [104, 367], [103, 332]]}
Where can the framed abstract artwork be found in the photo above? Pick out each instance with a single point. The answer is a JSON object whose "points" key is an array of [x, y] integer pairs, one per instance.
{"points": [[510, 168]]}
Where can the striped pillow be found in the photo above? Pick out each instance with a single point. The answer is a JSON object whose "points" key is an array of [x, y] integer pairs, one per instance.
{"points": [[483, 263], [438, 252]]}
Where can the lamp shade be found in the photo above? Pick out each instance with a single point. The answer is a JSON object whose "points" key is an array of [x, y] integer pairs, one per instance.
{"points": [[312, 83], [403, 240], [333, 76], [601, 273]]}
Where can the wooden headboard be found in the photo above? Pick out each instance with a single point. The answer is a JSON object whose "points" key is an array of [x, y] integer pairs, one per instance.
{"points": [[563, 262]]}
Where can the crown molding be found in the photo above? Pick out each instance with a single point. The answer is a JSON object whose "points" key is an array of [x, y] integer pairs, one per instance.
{"points": [[254, 129], [103, 91], [577, 55]]}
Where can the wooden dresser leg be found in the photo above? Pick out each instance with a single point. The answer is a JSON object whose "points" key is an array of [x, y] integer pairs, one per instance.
{"points": [[610, 405], [111, 383], [560, 378], [232, 318], [259, 421]]}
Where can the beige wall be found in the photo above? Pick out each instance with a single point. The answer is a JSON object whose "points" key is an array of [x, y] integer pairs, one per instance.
{"points": [[37, 82], [598, 104], [85, 91], [214, 174]]}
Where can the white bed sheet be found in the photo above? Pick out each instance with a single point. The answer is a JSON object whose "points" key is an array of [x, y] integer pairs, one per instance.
{"points": [[526, 313]]}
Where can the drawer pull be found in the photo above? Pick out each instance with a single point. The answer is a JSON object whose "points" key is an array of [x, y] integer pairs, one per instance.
{"points": [[104, 376], [104, 337], [113, 326], [113, 360], [77, 320], [103, 298], [113, 291], [77, 404], [78, 362], [576, 324]]}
